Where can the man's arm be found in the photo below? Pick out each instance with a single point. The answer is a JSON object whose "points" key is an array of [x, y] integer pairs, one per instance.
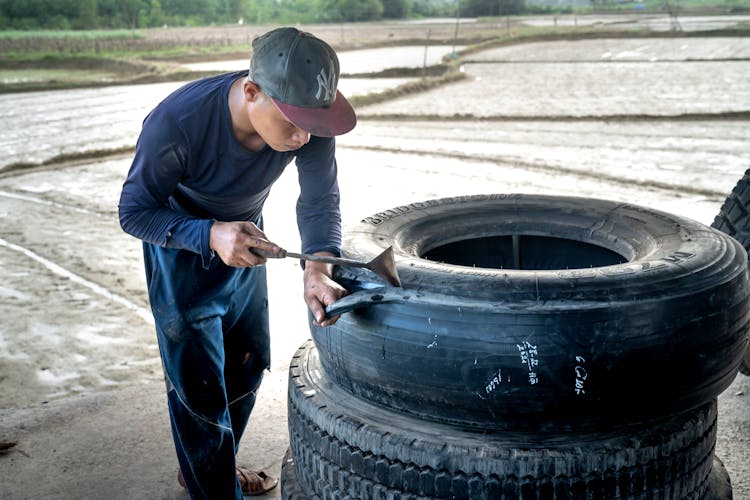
{"points": [[319, 222], [159, 164]]}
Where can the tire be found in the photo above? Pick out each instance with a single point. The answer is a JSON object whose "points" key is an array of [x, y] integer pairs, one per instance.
{"points": [[346, 448], [656, 326], [719, 484], [290, 486], [734, 219]]}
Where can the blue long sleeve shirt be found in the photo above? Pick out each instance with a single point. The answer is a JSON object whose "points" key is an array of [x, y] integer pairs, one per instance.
{"points": [[189, 171]]}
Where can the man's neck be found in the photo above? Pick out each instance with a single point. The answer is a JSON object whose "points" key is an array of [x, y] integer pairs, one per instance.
{"points": [[242, 127]]}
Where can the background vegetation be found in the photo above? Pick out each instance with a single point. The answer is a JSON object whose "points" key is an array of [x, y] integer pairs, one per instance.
{"points": [[132, 14]]}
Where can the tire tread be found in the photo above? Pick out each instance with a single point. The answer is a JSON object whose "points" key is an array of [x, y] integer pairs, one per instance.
{"points": [[334, 468], [734, 219]]}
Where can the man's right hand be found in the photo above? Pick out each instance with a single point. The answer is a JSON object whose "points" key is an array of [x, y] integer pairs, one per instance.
{"points": [[234, 243]]}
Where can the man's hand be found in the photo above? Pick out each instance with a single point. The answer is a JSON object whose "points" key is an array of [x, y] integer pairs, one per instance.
{"points": [[234, 243], [321, 291]]}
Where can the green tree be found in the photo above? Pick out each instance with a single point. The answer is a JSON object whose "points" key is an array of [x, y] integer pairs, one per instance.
{"points": [[156, 13], [477, 8], [354, 10], [434, 8], [511, 7], [396, 9], [191, 11], [129, 11], [262, 11], [301, 11], [88, 14], [109, 14]]}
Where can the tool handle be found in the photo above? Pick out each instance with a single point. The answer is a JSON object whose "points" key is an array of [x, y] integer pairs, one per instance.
{"points": [[308, 256], [268, 255], [324, 258]]}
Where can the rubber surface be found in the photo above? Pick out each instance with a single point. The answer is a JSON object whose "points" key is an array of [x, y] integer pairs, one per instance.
{"points": [[719, 486], [734, 219], [345, 447], [291, 489], [545, 347]]}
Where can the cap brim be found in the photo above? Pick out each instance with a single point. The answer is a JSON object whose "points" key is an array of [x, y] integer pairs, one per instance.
{"points": [[336, 119]]}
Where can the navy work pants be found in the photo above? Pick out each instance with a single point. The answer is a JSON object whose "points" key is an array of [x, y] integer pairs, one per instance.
{"points": [[212, 328]]}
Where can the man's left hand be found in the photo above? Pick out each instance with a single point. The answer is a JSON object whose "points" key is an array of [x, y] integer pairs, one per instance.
{"points": [[321, 291]]}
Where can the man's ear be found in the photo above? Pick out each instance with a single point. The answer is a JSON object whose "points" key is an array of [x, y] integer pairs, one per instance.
{"points": [[251, 90]]}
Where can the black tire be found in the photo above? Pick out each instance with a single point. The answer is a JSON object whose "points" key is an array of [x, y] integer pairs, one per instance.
{"points": [[550, 348], [719, 484], [734, 219], [290, 486], [346, 448]]}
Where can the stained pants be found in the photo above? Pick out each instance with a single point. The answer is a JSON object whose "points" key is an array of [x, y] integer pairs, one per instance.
{"points": [[212, 328]]}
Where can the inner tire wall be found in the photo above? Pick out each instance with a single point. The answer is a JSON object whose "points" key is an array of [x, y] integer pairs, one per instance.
{"points": [[345, 447]]}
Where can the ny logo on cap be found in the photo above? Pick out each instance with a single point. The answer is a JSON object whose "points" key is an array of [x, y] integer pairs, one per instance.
{"points": [[326, 86]]}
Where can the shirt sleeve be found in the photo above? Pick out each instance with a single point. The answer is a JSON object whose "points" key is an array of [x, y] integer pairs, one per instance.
{"points": [[159, 164], [318, 206]]}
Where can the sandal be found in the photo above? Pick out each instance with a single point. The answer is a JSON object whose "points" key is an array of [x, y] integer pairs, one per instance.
{"points": [[253, 483]]}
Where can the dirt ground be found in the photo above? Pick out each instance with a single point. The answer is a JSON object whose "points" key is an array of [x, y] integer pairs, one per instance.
{"points": [[78, 359]]}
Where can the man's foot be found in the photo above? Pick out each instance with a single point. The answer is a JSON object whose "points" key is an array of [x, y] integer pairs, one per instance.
{"points": [[253, 483]]}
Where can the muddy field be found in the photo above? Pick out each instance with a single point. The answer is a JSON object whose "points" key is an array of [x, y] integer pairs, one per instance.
{"points": [[562, 119], [592, 78]]}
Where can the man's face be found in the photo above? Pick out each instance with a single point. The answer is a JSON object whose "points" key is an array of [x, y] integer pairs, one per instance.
{"points": [[273, 127]]}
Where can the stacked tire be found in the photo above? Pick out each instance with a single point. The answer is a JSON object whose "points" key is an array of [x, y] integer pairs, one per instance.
{"points": [[734, 219], [542, 347]]}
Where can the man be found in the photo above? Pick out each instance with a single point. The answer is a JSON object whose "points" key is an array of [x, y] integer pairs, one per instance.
{"points": [[203, 167]]}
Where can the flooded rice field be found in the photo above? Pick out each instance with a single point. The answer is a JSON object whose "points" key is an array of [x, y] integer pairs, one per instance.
{"points": [[701, 157], [39, 126], [538, 118], [636, 49], [582, 78], [652, 22]]}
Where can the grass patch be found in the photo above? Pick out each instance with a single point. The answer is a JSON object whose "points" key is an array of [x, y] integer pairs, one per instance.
{"points": [[60, 50], [54, 75], [69, 34]]}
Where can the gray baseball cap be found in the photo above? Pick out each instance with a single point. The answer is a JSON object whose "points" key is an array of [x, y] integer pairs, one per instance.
{"points": [[300, 73]]}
